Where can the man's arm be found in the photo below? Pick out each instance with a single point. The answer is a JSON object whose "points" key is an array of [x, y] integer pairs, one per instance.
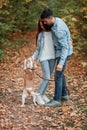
{"points": [[62, 40]]}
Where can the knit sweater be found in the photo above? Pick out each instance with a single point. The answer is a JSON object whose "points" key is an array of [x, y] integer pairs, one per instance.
{"points": [[48, 48]]}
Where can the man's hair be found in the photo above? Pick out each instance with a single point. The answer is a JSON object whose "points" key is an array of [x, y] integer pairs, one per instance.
{"points": [[46, 13]]}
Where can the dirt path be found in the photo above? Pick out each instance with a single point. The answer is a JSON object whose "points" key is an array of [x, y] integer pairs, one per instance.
{"points": [[72, 115]]}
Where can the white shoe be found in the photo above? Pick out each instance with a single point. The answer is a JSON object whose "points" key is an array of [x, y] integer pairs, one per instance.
{"points": [[45, 98], [40, 100]]}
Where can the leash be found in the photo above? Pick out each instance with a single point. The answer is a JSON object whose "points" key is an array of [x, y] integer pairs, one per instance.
{"points": [[33, 69], [42, 77], [52, 80]]}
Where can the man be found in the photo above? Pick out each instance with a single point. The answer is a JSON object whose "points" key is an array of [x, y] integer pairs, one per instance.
{"points": [[63, 50]]}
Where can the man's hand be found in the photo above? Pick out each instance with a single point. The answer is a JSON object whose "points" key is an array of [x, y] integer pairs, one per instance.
{"points": [[59, 67], [41, 25]]}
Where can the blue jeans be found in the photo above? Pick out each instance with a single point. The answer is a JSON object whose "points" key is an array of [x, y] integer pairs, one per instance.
{"points": [[47, 69], [60, 82]]}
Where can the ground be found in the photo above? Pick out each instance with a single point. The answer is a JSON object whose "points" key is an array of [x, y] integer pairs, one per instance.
{"points": [[72, 115]]}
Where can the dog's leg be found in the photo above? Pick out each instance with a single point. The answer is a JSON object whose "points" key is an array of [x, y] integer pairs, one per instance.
{"points": [[35, 94], [34, 99], [24, 96]]}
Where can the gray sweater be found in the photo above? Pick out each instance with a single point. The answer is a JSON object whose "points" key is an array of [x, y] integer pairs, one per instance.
{"points": [[48, 49], [45, 47]]}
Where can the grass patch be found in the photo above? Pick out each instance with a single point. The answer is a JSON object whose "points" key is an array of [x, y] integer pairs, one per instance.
{"points": [[70, 123]]}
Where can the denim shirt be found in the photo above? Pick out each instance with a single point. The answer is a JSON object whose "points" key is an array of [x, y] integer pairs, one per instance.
{"points": [[62, 40], [40, 45]]}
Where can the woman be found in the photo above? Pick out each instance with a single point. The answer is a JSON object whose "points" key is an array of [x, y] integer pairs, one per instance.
{"points": [[45, 54]]}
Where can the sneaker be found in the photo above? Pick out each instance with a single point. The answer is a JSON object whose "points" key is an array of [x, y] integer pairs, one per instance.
{"points": [[40, 100], [65, 97], [45, 98], [53, 103]]}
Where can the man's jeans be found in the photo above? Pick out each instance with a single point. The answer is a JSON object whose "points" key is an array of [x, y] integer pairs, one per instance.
{"points": [[60, 82], [47, 69]]}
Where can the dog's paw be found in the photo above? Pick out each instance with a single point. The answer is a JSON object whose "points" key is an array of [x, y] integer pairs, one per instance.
{"points": [[22, 105], [35, 103]]}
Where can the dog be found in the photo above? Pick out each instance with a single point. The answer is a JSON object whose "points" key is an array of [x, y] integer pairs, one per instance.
{"points": [[29, 66]]}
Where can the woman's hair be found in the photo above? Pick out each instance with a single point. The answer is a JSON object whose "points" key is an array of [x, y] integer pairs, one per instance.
{"points": [[39, 29]]}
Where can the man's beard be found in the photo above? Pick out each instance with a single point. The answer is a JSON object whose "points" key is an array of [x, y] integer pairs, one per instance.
{"points": [[47, 27]]}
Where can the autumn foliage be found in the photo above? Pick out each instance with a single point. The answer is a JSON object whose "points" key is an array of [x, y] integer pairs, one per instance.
{"points": [[22, 16], [70, 116], [18, 23]]}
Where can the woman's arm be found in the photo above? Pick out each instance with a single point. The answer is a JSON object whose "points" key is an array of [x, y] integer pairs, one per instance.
{"points": [[37, 51]]}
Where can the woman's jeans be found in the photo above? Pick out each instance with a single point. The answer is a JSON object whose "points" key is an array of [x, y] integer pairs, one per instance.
{"points": [[60, 82], [47, 69]]}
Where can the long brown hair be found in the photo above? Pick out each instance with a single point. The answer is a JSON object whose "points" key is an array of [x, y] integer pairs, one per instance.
{"points": [[39, 29]]}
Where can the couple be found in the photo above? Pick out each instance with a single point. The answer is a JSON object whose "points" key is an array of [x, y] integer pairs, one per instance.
{"points": [[54, 46]]}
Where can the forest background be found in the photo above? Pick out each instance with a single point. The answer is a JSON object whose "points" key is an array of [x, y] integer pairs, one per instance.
{"points": [[22, 16]]}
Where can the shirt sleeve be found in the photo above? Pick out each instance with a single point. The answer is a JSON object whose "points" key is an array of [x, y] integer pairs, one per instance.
{"points": [[36, 53], [62, 40]]}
